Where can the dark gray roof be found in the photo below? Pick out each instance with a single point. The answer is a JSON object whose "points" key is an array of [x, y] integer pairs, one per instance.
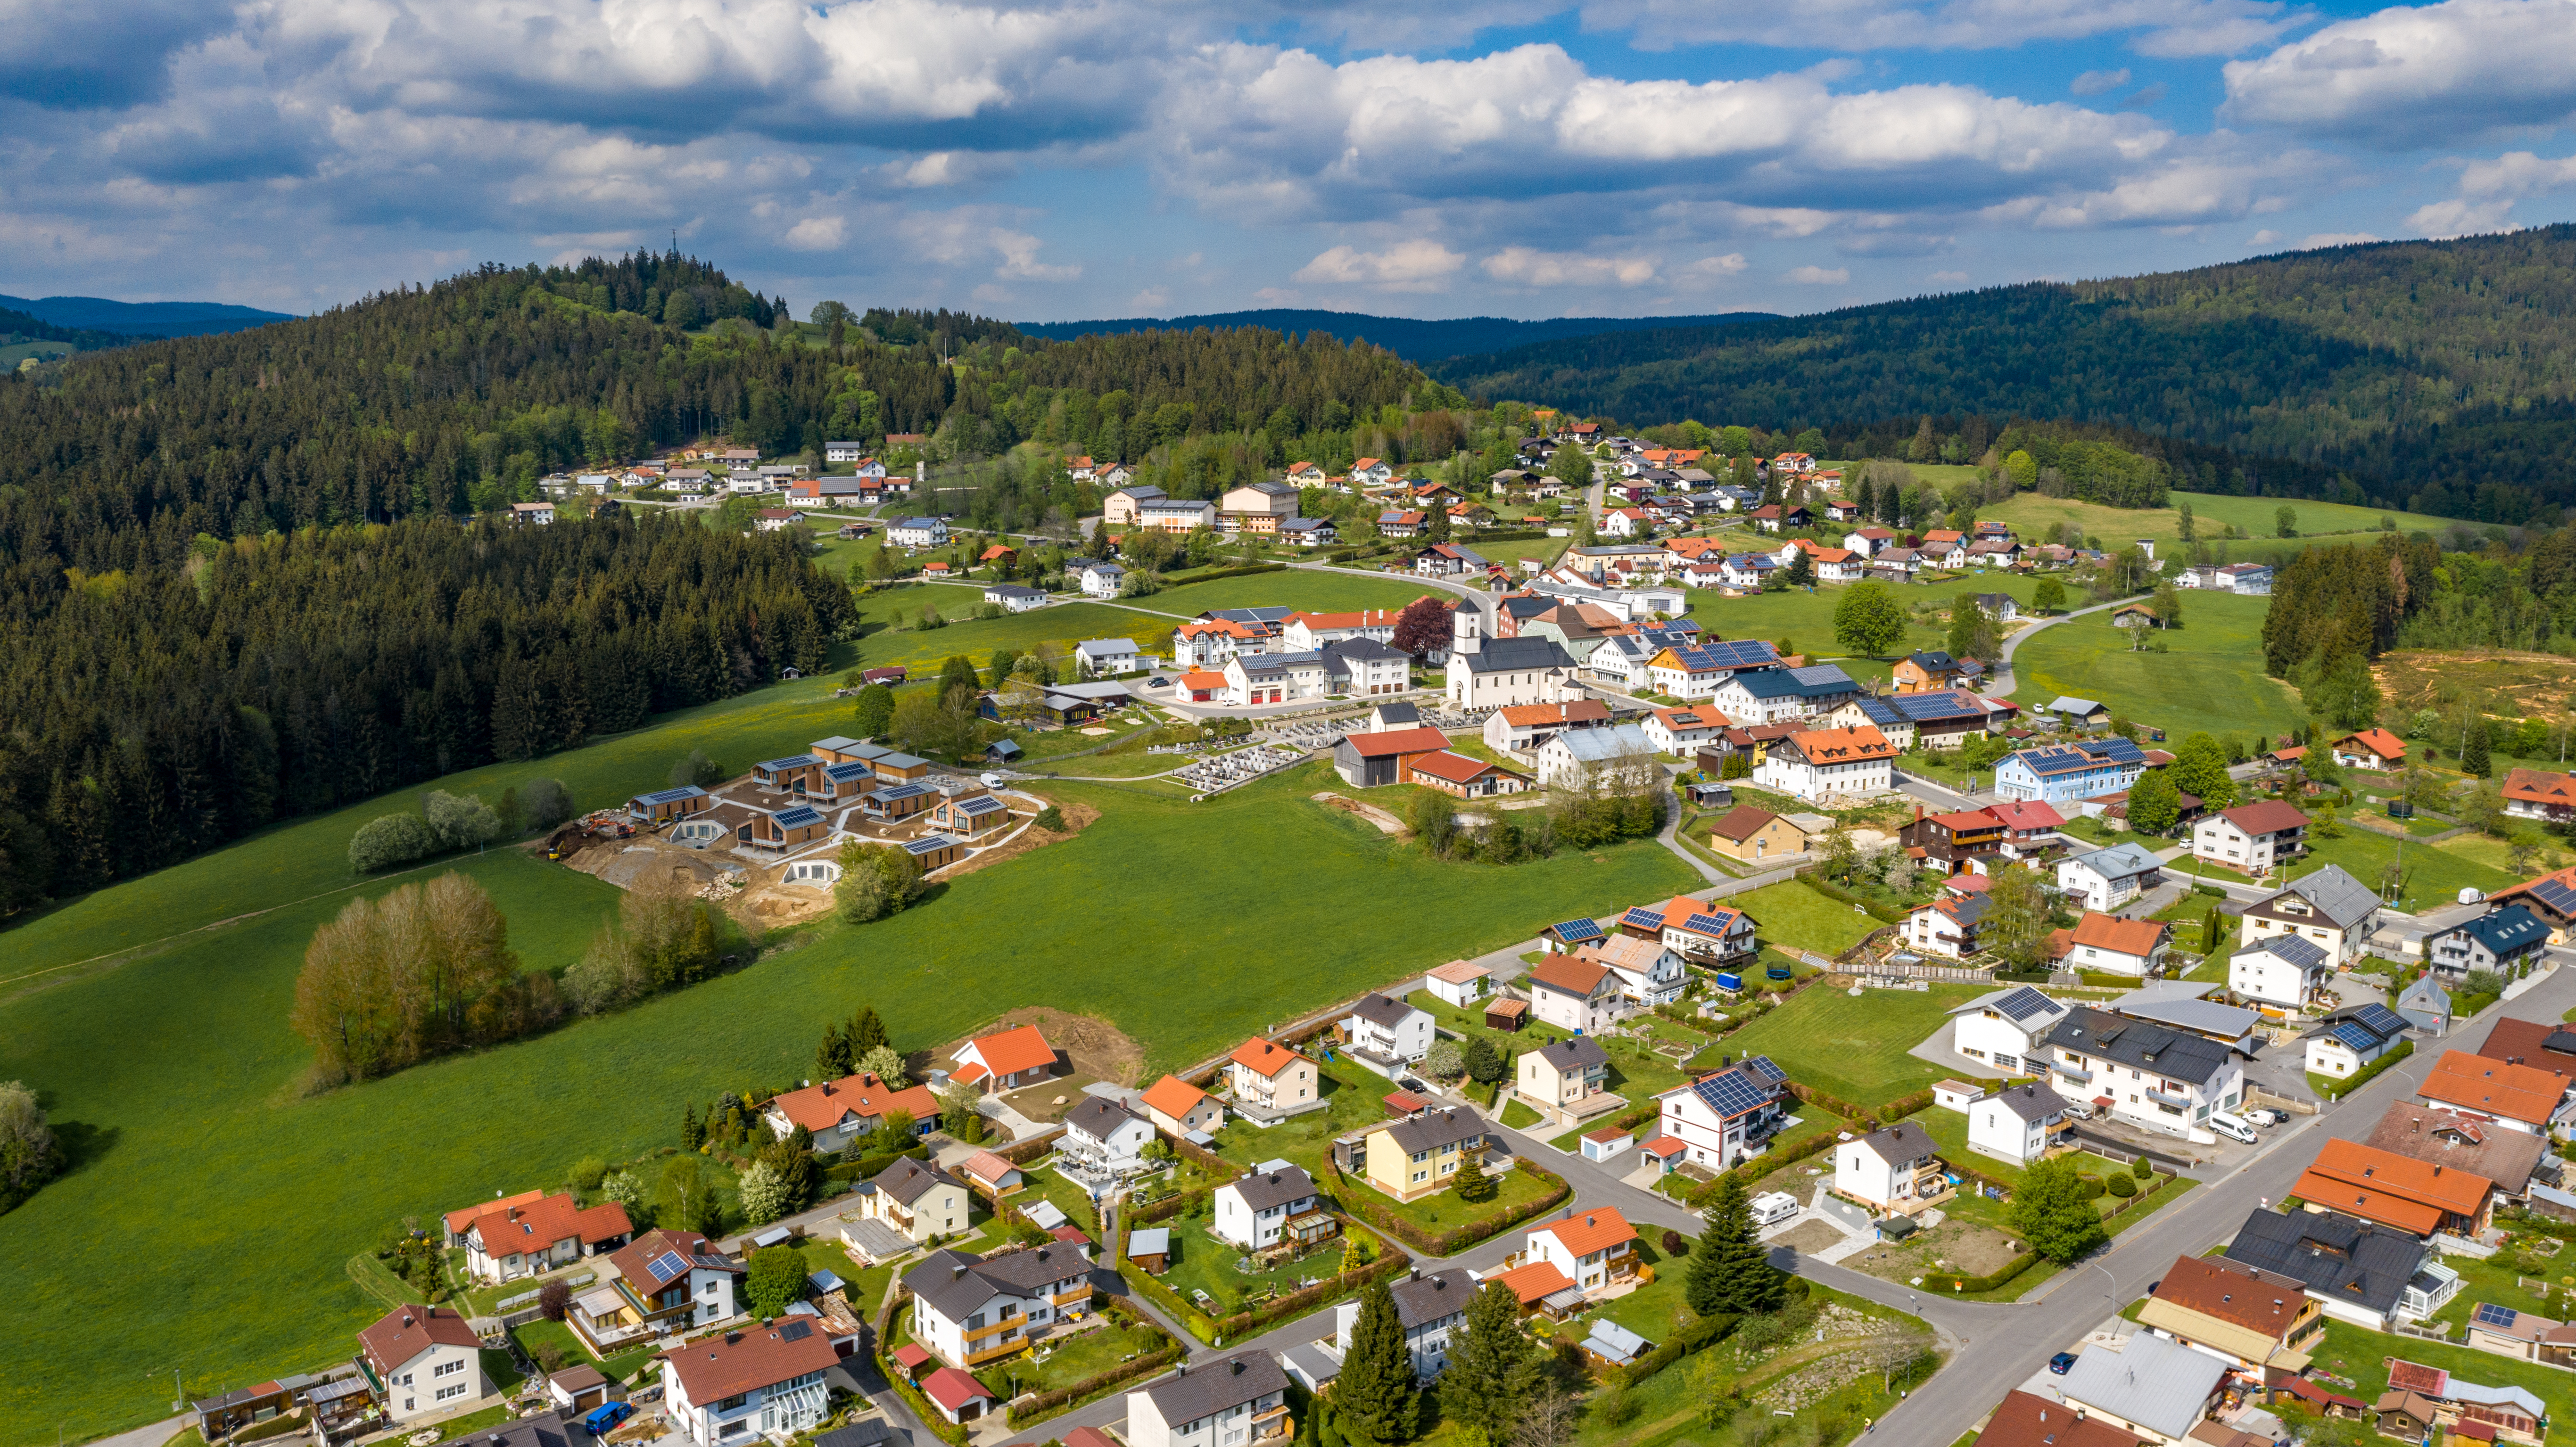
{"points": [[906, 1179], [1378, 1009], [2292, 950], [2334, 1256], [1271, 1189], [2505, 930], [1205, 1390], [2135, 1042], [1575, 1054], [1397, 713], [2335, 894], [1516, 655], [1433, 1129], [1421, 1300], [867, 1432], [956, 1284], [1098, 1116], [2030, 1102], [1903, 1141]]}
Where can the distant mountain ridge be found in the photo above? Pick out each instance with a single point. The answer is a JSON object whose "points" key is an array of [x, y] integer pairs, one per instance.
{"points": [[1415, 340], [143, 318]]}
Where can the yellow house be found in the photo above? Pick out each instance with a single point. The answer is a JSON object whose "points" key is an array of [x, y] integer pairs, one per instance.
{"points": [[1754, 835], [1420, 1154]]}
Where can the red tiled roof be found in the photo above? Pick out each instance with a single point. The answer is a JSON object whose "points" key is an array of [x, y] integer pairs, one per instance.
{"points": [[1455, 768], [1743, 822], [1264, 1057], [1174, 1097], [2126, 936], [2266, 816], [2539, 786], [2513, 1092], [458, 1220], [741, 1361], [2025, 1420], [2379, 742], [1393, 742], [1598, 1229], [508, 1230], [820, 1107], [406, 1331], [947, 1386], [1530, 1283], [1013, 1051], [1565, 972]]}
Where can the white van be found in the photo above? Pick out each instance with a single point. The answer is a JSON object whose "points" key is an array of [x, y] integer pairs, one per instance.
{"points": [[1773, 1207], [2232, 1128]]}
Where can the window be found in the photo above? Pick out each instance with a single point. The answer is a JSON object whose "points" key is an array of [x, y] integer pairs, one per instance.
{"points": [[446, 1369], [446, 1392]]}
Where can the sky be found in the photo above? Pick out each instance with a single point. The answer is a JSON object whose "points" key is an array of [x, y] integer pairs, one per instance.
{"points": [[1067, 159]]}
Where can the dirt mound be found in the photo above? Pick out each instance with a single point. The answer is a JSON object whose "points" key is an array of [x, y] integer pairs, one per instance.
{"points": [[1092, 1046], [1386, 823]]}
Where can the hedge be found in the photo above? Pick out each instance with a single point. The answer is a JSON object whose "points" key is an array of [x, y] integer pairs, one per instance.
{"points": [[1233, 1328], [1244, 570], [2342, 1088], [1020, 1153], [2010, 1269], [1046, 1404], [1457, 1239], [1706, 1332]]}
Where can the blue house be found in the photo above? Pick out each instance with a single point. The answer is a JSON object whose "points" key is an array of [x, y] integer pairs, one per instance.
{"points": [[2063, 773]]}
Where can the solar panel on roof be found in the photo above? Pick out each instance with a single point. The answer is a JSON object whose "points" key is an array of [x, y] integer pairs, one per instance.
{"points": [[2380, 1018], [1731, 1093], [1707, 924], [1761, 1065], [1579, 929], [666, 1266], [2356, 1037], [796, 1331], [2490, 1314], [2023, 1003], [1642, 918], [2555, 895]]}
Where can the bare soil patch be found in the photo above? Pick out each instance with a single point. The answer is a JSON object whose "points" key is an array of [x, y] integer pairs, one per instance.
{"points": [[1809, 1237], [2503, 682], [1386, 823], [1092, 1048], [1954, 1247], [1077, 817]]}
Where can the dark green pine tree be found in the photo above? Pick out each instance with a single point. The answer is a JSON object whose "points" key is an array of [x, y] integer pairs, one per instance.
{"points": [[832, 1057], [2473, 751], [867, 1032], [1376, 1397], [1729, 1270]]}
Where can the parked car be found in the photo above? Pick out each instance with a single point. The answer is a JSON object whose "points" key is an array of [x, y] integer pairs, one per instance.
{"points": [[2234, 1129], [995, 781], [605, 1416], [2262, 1115], [1773, 1207], [2078, 1110], [2061, 1363]]}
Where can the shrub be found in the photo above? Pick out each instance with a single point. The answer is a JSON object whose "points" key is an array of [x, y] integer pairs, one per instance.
{"points": [[2092, 1185], [2121, 1186], [388, 840], [1675, 1244], [1051, 819], [587, 1175], [461, 822], [2141, 1168], [552, 1298], [546, 803]]}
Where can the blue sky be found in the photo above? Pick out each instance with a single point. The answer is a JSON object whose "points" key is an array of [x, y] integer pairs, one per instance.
{"points": [[1082, 158]]}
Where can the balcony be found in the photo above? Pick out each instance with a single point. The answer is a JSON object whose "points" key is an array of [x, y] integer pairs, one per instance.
{"points": [[1008, 1323]]}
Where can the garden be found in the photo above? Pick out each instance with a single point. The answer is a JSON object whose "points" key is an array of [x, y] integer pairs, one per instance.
{"points": [[1853, 1047]]}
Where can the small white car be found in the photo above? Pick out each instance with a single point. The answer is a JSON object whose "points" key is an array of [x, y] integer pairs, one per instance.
{"points": [[2229, 1126], [2262, 1116], [995, 781], [1773, 1207]]}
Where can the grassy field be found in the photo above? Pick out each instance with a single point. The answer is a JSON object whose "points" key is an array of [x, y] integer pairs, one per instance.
{"points": [[2031, 516], [1794, 915], [2434, 874], [249, 1279], [2209, 678], [2362, 1355], [1807, 619], [1853, 1048]]}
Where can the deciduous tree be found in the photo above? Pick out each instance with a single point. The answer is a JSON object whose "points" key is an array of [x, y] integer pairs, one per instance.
{"points": [[1869, 620], [2054, 1212]]}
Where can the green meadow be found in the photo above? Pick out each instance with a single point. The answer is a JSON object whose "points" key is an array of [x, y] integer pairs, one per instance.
{"points": [[2209, 678], [212, 1211]]}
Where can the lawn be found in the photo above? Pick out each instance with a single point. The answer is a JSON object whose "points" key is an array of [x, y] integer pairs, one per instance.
{"points": [[2210, 678], [1791, 915], [1062, 624], [1806, 619], [1853, 1048], [1201, 1263], [1636, 1071], [2434, 874], [2361, 1356], [252, 1280], [1075, 1359], [2031, 516]]}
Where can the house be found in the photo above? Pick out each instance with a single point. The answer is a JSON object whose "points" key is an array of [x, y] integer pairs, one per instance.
{"points": [[2019, 1123], [540, 513], [1955, 843], [1234, 1401], [2552, 897], [533, 1233], [2252, 838], [1309, 532], [2329, 908], [1420, 1154], [1460, 983], [2508, 940], [1776, 695], [1596, 1250], [2254, 1320], [2007, 1029], [970, 1309], [2185, 1006], [968, 815], [1004, 1062], [424, 1360], [2426, 1005], [1924, 671], [2499, 1092], [579, 1389], [994, 1175], [1276, 1205], [2549, 1047], [2539, 794], [1269, 1082], [1373, 759], [1105, 657], [1013, 598], [1573, 993], [1387, 1035], [2108, 878], [916, 1200], [664, 805], [2150, 1385], [1174, 515], [1500, 672], [1649, 971], [1948, 925], [1175, 1105], [1101, 578], [2064, 773], [2374, 749], [1258, 507], [2440, 1137], [2348, 1039], [1119, 509], [1606, 759], [2284, 972], [1725, 1116], [918, 533], [2356, 1271], [837, 1112], [2418, 1197], [2113, 945], [2025, 1420], [1564, 1077], [1755, 835], [1747, 572], [1681, 731], [1258, 678], [1372, 472], [665, 1282], [1697, 670], [1104, 1137], [2163, 1079], [1695, 930], [1895, 1170], [1448, 560], [1823, 763]]}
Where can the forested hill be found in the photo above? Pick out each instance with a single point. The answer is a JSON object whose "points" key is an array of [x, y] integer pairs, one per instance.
{"points": [[1411, 338], [142, 318], [2408, 365], [16, 325]]}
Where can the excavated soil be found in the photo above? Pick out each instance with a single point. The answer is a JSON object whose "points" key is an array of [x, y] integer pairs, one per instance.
{"points": [[1093, 1048], [1077, 817], [1386, 823], [2505, 683]]}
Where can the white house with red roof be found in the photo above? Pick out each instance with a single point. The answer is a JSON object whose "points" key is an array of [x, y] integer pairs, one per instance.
{"points": [[1683, 731], [1596, 1249], [1309, 632], [664, 1281], [1006, 1061], [757, 1380], [1177, 1106], [1270, 1082], [2029, 825], [837, 1112], [422, 1360], [1725, 1115], [532, 1234], [1699, 931]]}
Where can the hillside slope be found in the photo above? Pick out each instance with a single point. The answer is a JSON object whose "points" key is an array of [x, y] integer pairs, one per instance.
{"points": [[2406, 363], [142, 319], [1411, 338]]}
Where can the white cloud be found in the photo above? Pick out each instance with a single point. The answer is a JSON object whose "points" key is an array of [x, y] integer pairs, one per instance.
{"points": [[816, 233], [2411, 76], [2099, 82], [1415, 265], [2163, 27], [2324, 239], [2266, 236], [1151, 299], [1818, 276], [1522, 266], [1730, 264], [1020, 258], [2488, 191]]}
